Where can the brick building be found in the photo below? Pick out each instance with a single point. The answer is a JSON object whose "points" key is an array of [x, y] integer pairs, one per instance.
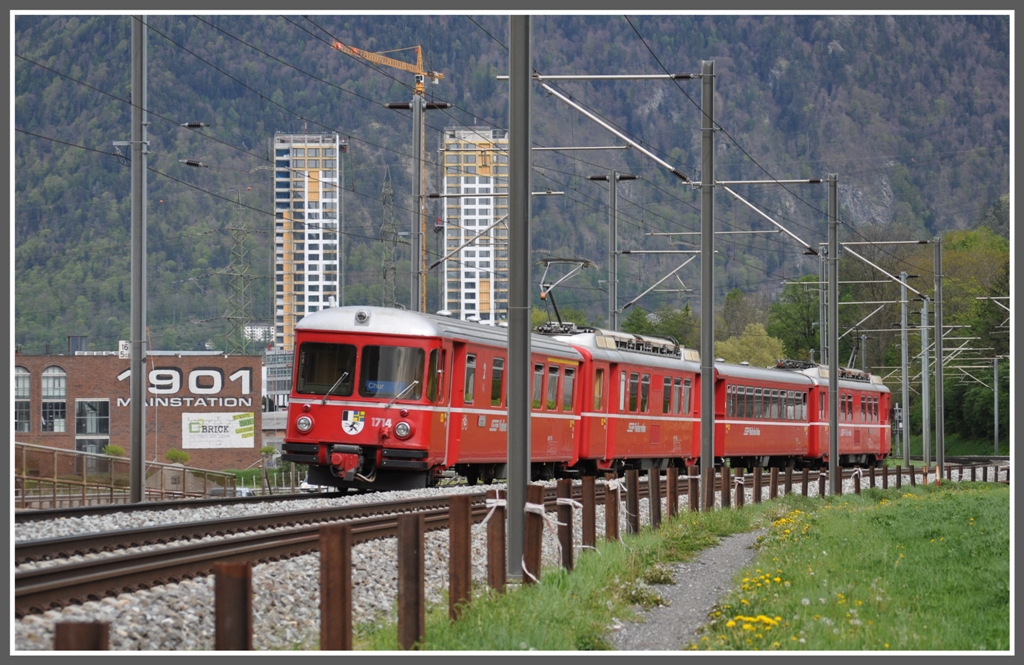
{"points": [[207, 404]]}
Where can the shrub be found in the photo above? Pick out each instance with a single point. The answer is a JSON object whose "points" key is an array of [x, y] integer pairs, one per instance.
{"points": [[115, 451], [175, 456]]}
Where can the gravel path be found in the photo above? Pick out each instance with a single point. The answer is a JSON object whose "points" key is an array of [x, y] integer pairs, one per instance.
{"points": [[698, 586]]}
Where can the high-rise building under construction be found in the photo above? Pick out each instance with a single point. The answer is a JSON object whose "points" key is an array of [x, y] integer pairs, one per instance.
{"points": [[305, 258], [476, 223]]}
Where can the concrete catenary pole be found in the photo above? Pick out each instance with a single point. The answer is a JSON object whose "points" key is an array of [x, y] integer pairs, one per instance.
{"points": [[995, 404], [822, 330], [833, 333], [520, 73], [137, 477], [416, 257], [905, 366], [940, 431], [707, 282], [926, 401]]}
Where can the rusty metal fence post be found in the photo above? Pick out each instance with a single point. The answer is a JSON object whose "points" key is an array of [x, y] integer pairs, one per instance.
{"points": [[692, 488], [411, 618], [654, 496], [589, 513], [336, 587], [233, 606], [460, 557], [565, 525], [632, 501], [757, 484], [533, 534], [672, 491], [496, 541], [611, 507], [81, 636]]}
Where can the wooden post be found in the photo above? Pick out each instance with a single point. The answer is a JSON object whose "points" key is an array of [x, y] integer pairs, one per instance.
{"points": [[496, 543], [411, 619], [632, 501], [974, 477], [654, 496], [984, 474], [913, 476], [804, 478], [899, 477], [822, 481], [565, 526], [709, 478], [871, 476], [789, 481], [773, 482], [672, 491], [856, 480], [460, 557], [81, 636], [233, 606], [741, 493], [726, 487], [336, 587], [533, 535], [757, 484], [692, 488], [885, 477], [611, 510], [589, 513]]}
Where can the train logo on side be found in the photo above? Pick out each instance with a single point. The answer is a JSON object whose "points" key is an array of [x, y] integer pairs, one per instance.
{"points": [[352, 421]]}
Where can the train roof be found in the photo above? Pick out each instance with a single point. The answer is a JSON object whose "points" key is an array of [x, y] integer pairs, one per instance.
{"points": [[389, 321]]}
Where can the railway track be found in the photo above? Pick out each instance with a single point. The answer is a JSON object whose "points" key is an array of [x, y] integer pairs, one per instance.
{"points": [[189, 552]]}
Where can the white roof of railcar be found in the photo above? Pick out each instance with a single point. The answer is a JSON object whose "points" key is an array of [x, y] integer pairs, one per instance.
{"points": [[389, 321]]}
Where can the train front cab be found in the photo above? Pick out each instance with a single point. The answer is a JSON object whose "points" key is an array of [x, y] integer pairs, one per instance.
{"points": [[367, 411]]}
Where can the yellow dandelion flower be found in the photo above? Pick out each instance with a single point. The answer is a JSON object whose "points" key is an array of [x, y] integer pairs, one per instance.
{"points": [[730, 624]]}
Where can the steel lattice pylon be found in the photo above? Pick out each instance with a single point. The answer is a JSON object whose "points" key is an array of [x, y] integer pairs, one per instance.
{"points": [[239, 314], [389, 238]]}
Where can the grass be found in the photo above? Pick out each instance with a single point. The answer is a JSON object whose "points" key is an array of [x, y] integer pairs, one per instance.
{"points": [[881, 571]]}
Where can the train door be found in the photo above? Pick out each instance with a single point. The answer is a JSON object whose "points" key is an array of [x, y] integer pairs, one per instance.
{"points": [[593, 405]]}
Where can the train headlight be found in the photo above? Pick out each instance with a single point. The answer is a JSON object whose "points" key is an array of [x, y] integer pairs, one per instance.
{"points": [[403, 430], [304, 424]]}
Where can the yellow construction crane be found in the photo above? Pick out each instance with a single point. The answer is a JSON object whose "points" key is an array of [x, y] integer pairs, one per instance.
{"points": [[381, 59]]}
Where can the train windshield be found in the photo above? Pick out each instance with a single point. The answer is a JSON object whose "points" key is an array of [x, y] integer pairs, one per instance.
{"points": [[389, 371], [322, 365]]}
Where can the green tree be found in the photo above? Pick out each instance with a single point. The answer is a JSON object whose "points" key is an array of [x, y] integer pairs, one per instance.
{"points": [[794, 316], [754, 346]]}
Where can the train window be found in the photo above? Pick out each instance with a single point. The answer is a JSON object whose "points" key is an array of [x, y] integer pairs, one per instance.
{"points": [[863, 409], [390, 371], [497, 377], [433, 374], [470, 378], [821, 406], [676, 396], [666, 398], [791, 408], [645, 390], [622, 391], [322, 365], [538, 380], [634, 390], [599, 390], [741, 404], [730, 401], [758, 411], [775, 405], [750, 402], [553, 387], [567, 387], [803, 406], [686, 396]]}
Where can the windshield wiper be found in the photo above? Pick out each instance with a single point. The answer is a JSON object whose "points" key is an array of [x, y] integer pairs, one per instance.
{"points": [[336, 384], [399, 395]]}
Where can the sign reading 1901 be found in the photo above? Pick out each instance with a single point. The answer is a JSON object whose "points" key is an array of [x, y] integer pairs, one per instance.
{"points": [[207, 382]]}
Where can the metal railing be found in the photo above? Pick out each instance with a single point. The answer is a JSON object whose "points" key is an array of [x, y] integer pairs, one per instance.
{"points": [[46, 477]]}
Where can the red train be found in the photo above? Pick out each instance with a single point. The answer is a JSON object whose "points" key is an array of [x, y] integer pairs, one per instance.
{"points": [[388, 399]]}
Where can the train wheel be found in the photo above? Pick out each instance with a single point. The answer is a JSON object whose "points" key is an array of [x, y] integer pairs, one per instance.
{"points": [[472, 475]]}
